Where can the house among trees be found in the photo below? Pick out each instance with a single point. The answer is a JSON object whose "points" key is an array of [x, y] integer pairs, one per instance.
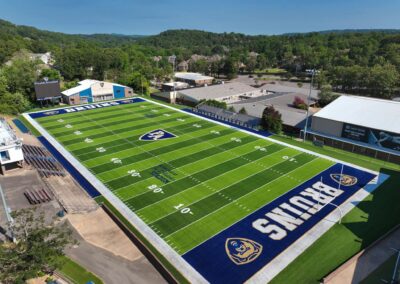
{"points": [[194, 79]]}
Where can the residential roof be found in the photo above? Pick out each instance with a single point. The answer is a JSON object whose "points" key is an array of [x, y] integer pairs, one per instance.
{"points": [[218, 91], [277, 88], [192, 76], [362, 111], [282, 102]]}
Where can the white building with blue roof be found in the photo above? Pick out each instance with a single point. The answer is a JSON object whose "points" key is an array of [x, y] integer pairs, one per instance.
{"points": [[90, 91]]}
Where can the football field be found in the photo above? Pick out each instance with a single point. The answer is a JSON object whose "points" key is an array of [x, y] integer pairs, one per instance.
{"points": [[186, 178]]}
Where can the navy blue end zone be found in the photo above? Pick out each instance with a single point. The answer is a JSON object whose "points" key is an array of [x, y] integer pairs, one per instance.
{"points": [[240, 251], [86, 185], [84, 107]]}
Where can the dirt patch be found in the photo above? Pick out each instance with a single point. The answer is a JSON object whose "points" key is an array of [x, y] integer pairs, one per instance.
{"points": [[98, 229]]}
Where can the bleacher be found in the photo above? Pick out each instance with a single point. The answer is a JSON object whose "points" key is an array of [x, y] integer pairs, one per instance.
{"points": [[40, 159], [228, 116]]}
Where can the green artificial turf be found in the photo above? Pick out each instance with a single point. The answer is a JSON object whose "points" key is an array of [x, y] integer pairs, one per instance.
{"points": [[213, 171], [216, 175]]}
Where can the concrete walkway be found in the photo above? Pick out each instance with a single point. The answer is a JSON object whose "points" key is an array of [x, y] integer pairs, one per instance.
{"points": [[113, 269], [365, 262]]}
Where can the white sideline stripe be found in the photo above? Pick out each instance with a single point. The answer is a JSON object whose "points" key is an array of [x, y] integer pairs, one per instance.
{"points": [[171, 255], [280, 262], [268, 138], [190, 273], [185, 175], [95, 131], [214, 191], [175, 195], [74, 106], [141, 161], [96, 143], [231, 203], [113, 153]]}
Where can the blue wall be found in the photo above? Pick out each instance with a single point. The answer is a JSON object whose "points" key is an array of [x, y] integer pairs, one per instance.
{"points": [[119, 92], [87, 93]]}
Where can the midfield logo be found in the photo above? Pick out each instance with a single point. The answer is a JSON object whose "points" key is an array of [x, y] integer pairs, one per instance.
{"points": [[242, 251], [157, 134], [345, 180]]}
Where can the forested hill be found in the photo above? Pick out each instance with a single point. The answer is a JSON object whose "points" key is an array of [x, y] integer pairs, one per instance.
{"points": [[14, 38], [358, 62]]}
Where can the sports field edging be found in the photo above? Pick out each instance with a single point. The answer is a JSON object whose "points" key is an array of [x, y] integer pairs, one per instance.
{"points": [[266, 138], [160, 244], [181, 265]]}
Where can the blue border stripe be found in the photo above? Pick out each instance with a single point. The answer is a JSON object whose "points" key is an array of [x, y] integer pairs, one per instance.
{"points": [[21, 126], [86, 185], [86, 107], [211, 258]]}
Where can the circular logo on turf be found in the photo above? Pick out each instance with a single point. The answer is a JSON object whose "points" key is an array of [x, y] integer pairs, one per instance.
{"points": [[242, 251]]}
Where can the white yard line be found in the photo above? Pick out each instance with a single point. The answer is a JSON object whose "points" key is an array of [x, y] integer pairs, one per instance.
{"points": [[231, 203], [185, 176], [280, 262], [166, 250], [268, 138], [214, 191], [141, 161], [266, 273], [99, 157]]}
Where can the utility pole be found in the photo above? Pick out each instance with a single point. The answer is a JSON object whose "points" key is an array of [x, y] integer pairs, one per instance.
{"points": [[312, 71], [8, 216]]}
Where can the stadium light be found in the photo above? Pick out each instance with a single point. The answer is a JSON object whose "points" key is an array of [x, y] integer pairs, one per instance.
{"points": [[312, 72]]}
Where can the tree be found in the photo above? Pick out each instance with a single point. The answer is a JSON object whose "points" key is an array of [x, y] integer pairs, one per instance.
{"points": [[271, 120], [38, 249], [214, 103], [230, 68], [50, 74], [137, 82], [299, 103], [231, 108], [242, 111], [13, 103], [326, 96], [21, 76]]}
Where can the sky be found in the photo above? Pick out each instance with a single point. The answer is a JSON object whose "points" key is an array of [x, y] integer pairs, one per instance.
{"points": [[147, 17]]}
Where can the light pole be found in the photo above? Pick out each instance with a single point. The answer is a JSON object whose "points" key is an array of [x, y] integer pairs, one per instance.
{"points": [[312, 71]]}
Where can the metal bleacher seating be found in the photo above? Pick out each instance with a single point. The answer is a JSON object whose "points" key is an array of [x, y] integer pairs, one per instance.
{"points": [[40, 159]]}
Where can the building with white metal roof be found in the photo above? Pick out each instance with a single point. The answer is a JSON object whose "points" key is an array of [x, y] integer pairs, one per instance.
{"points": [[89, 91], [229, 92], [370, 123], [362, 111]]}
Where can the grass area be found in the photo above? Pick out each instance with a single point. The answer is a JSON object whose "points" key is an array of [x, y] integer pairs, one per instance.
{"points": [[208, 169], [360, 227], [76, 273], [360, 160], [271, 71], [383, 272]]}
